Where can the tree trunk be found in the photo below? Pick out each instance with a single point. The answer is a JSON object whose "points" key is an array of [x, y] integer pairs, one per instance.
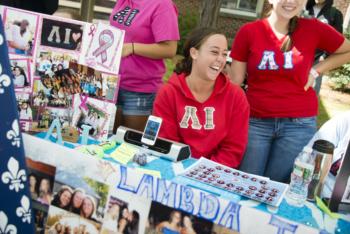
{"points": [[209, 12]]}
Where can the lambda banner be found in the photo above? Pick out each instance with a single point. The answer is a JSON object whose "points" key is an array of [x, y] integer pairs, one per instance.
{"points": [[104, 197]]}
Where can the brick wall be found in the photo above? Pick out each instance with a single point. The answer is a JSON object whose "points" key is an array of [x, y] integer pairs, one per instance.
{"points": [[230, 24]]}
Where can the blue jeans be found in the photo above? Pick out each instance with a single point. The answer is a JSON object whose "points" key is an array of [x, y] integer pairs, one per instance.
{"points": [[274, 143], [135, 103]]}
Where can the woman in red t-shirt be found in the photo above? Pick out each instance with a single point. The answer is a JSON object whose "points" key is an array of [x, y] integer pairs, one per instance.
{"points": [[277, 55]]}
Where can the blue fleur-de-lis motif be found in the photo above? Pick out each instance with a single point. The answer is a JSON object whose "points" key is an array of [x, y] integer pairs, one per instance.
{"points": [[13, 134], [15, 176], [5, 81], [24, 210], [4, 226]]}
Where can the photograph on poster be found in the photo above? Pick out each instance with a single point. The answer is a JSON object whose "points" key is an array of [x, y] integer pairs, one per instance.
{"points": [[44, 116], [41, 177], [126, 213], [50, 61], [163, 219], [20, 29], [21, 72], [62, 221], [96, 84], [82, 196], [24, 105], [218, 229], [113, 214], [49, 91], [61, 34], [92, 116]]}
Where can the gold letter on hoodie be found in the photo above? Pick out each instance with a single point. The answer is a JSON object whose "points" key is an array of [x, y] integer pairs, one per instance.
{"points": [[209, 118], [190, 113]]}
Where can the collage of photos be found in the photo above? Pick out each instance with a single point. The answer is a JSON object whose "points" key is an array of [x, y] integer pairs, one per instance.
{"points": [[44, 55]]}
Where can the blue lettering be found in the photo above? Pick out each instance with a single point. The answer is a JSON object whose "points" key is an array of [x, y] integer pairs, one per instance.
{"points": [[122, 183], [186, 196], [230, 217], [166, 194], [282, 225], [209, 206], [146, 184]]}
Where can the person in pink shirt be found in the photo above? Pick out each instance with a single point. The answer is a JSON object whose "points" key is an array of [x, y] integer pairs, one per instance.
{"points": [[151, 34]]}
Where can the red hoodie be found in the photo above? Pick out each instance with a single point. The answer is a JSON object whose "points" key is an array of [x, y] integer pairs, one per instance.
{"points": [[216, 129]]}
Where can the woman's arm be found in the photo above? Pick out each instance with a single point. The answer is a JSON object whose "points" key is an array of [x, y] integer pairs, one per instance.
{"points": [[237, 72], [160, 50], [336, 59]]}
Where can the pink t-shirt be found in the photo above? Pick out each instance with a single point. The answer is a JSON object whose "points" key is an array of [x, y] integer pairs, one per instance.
{"points": [[144, 21]]}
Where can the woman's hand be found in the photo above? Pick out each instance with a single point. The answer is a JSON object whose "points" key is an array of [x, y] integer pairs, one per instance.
{"points": [[310, 82]]}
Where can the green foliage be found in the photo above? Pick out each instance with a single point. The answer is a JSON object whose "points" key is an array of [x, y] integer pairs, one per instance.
{"points": [[169, 69], [188, 20], [340, 77], [100, 188]]}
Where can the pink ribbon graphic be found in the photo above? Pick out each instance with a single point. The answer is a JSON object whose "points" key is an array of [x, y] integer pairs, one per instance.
{"points": [[106, 39], [83, 100], [92, 30]]}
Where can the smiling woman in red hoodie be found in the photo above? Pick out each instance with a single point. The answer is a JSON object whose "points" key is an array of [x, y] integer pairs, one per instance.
{"points": [[200, 106]]}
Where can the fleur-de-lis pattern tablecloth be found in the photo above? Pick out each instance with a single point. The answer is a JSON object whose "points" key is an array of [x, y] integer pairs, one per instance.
{"points": [[15, 208]]}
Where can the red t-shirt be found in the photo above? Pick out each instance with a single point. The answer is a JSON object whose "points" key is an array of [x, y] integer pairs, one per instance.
{"points": [[276, 80]]}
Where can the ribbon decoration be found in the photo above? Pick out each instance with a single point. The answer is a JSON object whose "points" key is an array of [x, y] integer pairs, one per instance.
{"points": [[106, 40], [83, 100], [92, 30]]}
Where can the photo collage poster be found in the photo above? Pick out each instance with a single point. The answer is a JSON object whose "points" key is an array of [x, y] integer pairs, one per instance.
{"points": [[83, 194], [57, 62]]}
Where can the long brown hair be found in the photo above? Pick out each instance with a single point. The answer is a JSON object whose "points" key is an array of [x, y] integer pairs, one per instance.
{"points": [[195, 39], [292, 25]]}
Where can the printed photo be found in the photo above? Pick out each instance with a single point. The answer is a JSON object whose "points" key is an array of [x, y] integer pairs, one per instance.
{"points": [[51, 91], [92, 116], [113, 215], [96, 84], [44, 116], [50, 61], [60, 34], [126, 213], [82, 196], [24, 106], [41, 178], [21, 72], [218, 229], [20, 29], [62, 221], [163, 219]]}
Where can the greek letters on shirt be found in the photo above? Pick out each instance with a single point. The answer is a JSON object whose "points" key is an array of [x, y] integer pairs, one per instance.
{"points": [[125, 16], [268, 60], [191, 114]]}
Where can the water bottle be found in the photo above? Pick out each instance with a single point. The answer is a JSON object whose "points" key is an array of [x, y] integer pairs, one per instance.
{"points": [[300, 178]]}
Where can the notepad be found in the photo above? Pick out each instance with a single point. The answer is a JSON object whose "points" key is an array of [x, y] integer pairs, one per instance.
{"points": [[149, 172], [124, 153]]}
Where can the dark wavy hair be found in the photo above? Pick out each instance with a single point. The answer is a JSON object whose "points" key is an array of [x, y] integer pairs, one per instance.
{"points": [[311, 3], [194, 40]]}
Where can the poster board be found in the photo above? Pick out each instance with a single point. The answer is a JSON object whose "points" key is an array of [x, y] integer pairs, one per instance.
{"points": [[57, 62], [155, 200]]}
